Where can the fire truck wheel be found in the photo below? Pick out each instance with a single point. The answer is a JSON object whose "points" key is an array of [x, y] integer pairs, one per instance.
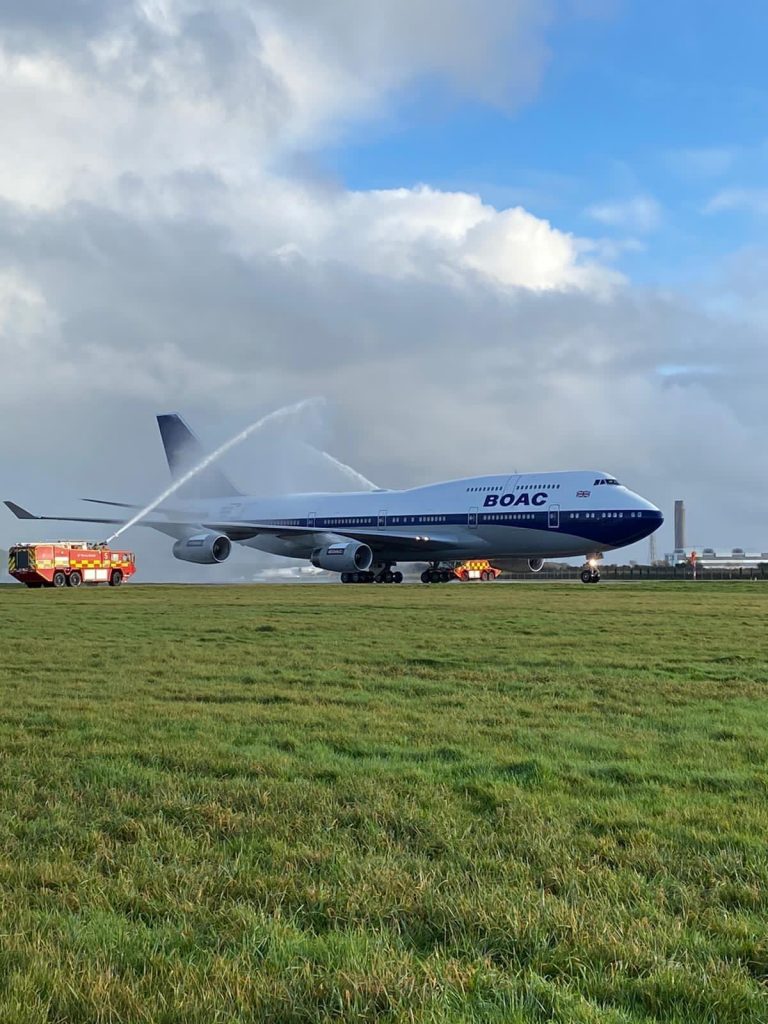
{"points": [[75, 579], [59, 579], [34, 586], [116, 578], [484, 576]]}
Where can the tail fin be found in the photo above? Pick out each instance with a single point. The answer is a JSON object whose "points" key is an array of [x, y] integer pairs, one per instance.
{"points": [[183, 451]]}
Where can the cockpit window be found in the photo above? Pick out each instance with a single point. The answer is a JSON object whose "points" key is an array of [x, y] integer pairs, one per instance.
{"points": [[608, 480]]}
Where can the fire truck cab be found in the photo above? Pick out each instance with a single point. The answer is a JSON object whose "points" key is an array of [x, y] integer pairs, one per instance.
{"points": [[69, 563]]}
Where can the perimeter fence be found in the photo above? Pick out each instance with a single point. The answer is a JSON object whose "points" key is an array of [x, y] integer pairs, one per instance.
{"points": [[648, 572]]}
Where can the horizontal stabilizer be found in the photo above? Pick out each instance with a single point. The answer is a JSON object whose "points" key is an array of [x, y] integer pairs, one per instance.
{"points": [[116, 504], [183, 452]]}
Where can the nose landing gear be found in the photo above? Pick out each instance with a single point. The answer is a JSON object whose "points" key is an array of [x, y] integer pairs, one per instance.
{"points": [[590, 575]]}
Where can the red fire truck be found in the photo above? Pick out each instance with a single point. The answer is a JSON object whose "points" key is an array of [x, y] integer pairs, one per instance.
{"points": [[68, 563]]}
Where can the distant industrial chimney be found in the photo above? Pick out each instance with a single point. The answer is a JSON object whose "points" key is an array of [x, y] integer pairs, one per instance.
{"points": [[679, 526]]}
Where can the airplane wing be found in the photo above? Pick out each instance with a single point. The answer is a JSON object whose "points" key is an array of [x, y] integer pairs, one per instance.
{"points": [[375, 538], [176, 530], [241, 531]]}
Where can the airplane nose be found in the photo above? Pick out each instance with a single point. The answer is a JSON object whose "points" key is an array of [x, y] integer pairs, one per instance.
{"points": [[650, 520]]}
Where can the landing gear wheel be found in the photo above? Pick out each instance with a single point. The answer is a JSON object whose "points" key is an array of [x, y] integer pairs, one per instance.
{"points": [[59, 579], [388, 576], [445, 576], [595, 577], [345, 577], [434, 576], [116, 578], [589, 576], [426, 576], [397, 577], [75, 579]]}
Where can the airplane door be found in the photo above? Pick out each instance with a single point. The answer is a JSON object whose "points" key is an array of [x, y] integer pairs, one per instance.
{"points": [[472, 518], [311, 520], [554, 517], [382, 518]]}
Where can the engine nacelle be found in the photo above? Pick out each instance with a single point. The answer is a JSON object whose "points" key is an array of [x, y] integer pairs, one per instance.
{"points": [[203, 548], [344, 556], [520, 564]]}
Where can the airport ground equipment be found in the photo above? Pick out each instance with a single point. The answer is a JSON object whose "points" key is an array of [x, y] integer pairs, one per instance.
{"points": [[477, 569], [69, 563]]}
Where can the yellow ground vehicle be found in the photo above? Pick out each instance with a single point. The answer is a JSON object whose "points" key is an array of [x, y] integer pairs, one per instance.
{"points": [[477, 569]]}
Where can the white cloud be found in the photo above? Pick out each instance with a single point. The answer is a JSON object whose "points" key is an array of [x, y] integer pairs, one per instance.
{"points": [[150, 88], [748, 200], [438, 235], [702, 162], [640, 213]]}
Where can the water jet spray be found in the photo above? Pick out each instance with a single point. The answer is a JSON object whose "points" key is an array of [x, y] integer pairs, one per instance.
{"points": [[272, 417]]}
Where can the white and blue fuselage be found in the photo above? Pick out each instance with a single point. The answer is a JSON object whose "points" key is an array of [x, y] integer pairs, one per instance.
{"points": [[541, 515]]}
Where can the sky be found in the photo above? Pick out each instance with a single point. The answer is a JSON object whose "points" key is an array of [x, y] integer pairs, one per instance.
{"points": [[508, 235]]}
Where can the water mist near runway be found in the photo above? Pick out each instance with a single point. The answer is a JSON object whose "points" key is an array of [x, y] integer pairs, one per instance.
{"points": [[273, 417]]}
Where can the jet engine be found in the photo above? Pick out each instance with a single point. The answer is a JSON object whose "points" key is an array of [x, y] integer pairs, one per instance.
{"points": [[344, 556], [203, 548], [520, 564]]}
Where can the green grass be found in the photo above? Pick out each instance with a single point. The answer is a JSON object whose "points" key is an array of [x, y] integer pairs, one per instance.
{"points": [[308, 803]]}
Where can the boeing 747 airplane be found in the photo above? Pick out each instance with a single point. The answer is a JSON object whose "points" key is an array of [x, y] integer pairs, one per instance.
{"points": [[515, 520]]}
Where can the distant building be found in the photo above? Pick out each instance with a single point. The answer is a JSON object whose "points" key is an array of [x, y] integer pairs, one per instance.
{"points": [[708, 558]]}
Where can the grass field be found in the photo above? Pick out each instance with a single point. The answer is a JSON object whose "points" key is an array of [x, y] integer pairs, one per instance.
{"points": [[314, 803]]}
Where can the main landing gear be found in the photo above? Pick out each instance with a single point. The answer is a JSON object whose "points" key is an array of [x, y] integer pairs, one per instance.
{"points": [[380, 574], [437, 574]]}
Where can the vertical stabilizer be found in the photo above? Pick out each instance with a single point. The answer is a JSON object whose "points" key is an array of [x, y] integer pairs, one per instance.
{"points": [[183, 451]]}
